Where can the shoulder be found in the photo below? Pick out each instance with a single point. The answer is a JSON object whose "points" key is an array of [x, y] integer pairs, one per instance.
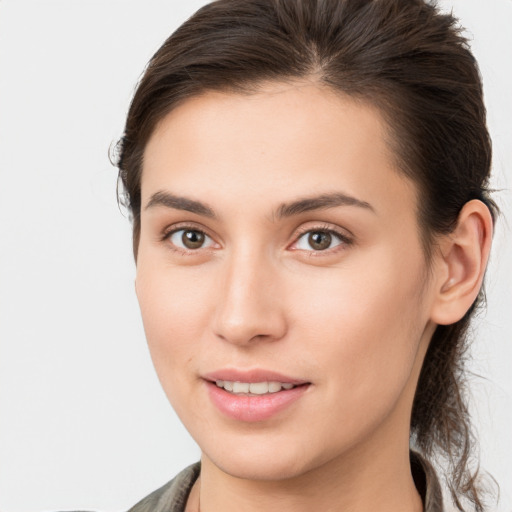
{"points": [[171, 497]]}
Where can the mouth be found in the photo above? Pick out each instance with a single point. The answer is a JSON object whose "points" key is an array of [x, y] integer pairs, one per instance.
{"points": [[253, 396], [255, 388]]}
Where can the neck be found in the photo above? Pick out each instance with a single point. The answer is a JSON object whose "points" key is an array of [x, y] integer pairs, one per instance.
{"points": [[381, 482]]}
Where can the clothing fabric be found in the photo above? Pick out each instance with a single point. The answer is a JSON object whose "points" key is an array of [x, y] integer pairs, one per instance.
{"points": [[172, 497]]}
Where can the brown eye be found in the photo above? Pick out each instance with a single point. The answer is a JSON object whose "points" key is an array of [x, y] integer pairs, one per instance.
{"points": [[319, 240], [190, 239]]}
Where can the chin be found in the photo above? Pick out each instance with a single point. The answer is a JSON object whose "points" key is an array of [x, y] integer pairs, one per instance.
{"points": [[265, 461], [273, 469]]}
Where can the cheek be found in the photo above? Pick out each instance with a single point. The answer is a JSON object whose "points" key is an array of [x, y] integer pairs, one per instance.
{"points": [[364, 329], [175, 309]]}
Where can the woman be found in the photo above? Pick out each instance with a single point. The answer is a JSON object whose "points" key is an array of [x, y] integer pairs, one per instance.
{"points": [[311, 225]]}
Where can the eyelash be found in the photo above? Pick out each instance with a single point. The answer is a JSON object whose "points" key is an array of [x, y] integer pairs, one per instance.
{"points": [[182, 227], [344, 239]]}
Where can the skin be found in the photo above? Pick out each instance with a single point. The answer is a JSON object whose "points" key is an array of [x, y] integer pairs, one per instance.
{"points": [[354, 320]]}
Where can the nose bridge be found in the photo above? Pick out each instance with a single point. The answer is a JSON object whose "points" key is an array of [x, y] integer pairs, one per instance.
{"points": [[249, 305]]}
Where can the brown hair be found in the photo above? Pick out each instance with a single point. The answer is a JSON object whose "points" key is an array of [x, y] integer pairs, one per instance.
{"points": [[406, 58]]}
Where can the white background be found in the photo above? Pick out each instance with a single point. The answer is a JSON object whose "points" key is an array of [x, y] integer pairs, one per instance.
{"points": [[83, 421]]}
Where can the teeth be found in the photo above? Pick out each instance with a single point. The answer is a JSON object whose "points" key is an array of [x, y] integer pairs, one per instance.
{"points": [[241, 387], [254, 388], [274, 387], [258, 388]]}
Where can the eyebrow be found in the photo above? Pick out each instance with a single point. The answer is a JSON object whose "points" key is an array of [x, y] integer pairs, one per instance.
{"points": [[321, 202], [307, 204], [168, 200]]}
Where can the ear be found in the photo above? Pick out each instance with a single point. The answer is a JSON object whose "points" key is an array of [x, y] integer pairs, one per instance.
{"points": [[462, 260]]}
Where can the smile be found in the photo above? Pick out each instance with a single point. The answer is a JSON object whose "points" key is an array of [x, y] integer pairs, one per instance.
{"points": [[253, 396], [253, 388]]}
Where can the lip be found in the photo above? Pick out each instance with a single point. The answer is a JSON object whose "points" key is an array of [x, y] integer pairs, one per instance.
{"points": [[254, 375], [253, 408]]}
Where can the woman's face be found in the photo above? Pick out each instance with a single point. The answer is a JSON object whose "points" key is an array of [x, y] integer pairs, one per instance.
{"points": [[279, 247]]}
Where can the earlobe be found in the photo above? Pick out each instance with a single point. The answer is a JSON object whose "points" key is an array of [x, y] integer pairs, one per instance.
{"points": [[462, 261]]}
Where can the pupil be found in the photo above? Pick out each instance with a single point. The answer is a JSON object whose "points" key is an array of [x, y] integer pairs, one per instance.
{"points": [[320, 240], [193, 239]]}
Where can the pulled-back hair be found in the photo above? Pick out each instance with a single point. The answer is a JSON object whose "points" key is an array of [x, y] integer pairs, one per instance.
{"points": [[409, 60]]}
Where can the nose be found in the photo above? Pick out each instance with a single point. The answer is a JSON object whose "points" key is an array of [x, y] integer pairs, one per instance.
{"points": [[250, 305]]}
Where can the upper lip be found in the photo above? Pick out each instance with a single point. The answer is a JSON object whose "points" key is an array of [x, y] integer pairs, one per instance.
{"points": [[252, 375]]}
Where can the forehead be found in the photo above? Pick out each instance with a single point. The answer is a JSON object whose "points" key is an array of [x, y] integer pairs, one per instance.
{"points": [[277, 143]]}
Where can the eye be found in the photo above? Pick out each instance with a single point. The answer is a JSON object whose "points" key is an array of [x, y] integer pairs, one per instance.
{"points": [[189, 239], [320, 240]]}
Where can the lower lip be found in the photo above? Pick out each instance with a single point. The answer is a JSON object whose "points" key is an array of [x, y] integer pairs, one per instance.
{"points": [[253, 408]]}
